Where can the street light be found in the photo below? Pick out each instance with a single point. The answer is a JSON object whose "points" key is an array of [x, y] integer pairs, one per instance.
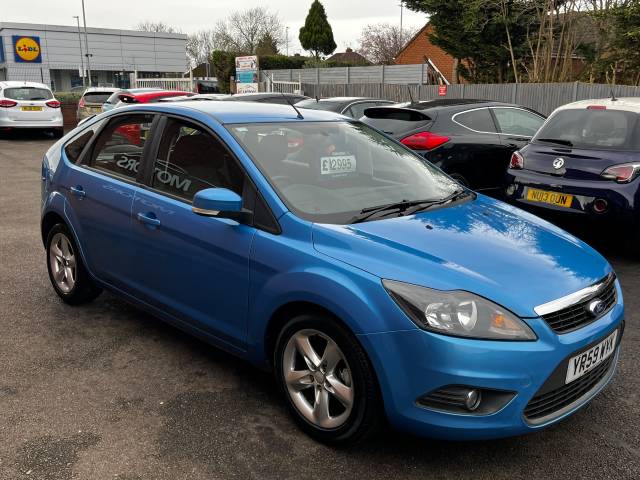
{"points": [[287, 39], [81, 53], [86, 44]]}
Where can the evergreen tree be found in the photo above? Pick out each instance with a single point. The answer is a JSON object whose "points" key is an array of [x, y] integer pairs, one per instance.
{"points": [[316, 35]]}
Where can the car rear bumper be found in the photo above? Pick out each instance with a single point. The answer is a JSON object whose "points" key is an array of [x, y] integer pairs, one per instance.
{"points": [[56, 122], [623, 200], [413, 363]]}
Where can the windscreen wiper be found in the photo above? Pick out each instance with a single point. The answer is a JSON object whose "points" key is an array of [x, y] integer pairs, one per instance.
{"points": [[405, 206], [559, 141], [387, 209], [457, 195]]}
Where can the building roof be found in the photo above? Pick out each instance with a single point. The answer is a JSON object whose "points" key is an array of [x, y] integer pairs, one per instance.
{"points": [[349, 56], [74, 29]]}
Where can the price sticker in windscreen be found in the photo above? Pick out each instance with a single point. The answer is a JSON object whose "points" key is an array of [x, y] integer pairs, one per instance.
{"points": [[336, 164]]}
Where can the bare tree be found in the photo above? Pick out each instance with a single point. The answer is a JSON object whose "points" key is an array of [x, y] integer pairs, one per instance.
{"points": [[243, 31], [158, 27], [201, 44], [381, 43]]}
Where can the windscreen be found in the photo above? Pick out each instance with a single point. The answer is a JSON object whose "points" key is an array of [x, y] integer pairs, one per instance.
{"points": [[330, 171], [96, 97], [395, 121], [28, 93], [312, 104], [593, 129]]}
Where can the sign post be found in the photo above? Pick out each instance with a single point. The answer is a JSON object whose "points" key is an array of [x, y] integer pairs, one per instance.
{"points": [[247, 74]]}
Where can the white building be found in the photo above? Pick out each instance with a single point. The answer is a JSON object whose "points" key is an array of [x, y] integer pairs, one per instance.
{"points": [[52, 54]]}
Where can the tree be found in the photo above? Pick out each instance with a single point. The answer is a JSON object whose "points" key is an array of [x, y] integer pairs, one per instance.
{"points": [[267, 45], [243, 31], [158, 27], [200, 45], [316, 35], [381, 43], [223, 65]]}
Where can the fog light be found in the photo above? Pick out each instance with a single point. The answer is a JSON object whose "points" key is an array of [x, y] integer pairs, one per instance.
{"points": [[600, 205], [472, 400], [511, 189]]}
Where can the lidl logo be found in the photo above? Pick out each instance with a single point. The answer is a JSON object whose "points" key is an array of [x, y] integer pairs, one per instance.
{"points": [[27, 49]]}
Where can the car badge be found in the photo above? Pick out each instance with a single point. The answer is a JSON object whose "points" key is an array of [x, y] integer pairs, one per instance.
{"points": [[558, 163], [596, 307]]}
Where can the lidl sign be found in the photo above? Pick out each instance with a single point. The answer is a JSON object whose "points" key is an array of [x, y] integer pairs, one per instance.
{"points": [[27, 49]]}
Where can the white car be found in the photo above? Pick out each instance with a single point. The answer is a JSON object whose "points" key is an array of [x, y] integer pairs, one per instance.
{"points": [[29, 105]]}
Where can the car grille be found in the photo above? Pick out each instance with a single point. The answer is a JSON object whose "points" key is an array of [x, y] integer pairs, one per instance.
{"points": [[548, 403], [577, 315]]}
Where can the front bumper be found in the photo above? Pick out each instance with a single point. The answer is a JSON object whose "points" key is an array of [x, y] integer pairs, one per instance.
{"points": [[414, 362], [623, 199]]}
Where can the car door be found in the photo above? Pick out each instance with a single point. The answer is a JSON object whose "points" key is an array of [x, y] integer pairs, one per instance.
{"points": [[475, 149], [196, 268], [100, 189]]}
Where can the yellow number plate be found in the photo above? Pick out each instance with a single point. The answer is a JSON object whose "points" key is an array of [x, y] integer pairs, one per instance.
{"points": [[31, 109], [553, 198]]}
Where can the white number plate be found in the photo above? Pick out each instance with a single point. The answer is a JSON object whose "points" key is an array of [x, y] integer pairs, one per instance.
{"points": [[587, 361], [337, 164]]}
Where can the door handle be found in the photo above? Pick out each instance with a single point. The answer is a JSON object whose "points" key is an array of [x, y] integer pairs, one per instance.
{"points": [[78, 191], [149, 218]]}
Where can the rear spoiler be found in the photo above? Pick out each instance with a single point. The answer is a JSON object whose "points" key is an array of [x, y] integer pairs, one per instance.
{"points": [[396, 113], [127, 98]]}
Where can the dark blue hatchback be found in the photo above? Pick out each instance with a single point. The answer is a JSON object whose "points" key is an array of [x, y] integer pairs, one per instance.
{"points": [[584, 161]]}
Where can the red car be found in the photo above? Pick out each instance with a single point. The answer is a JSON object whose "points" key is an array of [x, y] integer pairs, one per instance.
{"points": [[148, 97], [133, 132]]}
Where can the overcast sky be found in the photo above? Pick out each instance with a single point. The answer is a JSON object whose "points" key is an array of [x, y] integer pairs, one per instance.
{"points": [[347, 17]]}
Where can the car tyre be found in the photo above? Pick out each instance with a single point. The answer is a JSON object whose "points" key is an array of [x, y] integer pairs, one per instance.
{"points": [[58, 133], [327, 380], [67, 272]]}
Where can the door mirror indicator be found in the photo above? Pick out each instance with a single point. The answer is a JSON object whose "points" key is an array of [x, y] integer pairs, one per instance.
{"points": [[219, 202]]}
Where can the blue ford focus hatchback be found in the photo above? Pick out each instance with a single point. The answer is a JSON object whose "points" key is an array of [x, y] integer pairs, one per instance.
{"points": [[374, 286]]}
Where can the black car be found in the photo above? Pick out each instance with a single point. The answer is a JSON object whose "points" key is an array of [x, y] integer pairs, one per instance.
{"points": [[353, 107], [471, 140], [266, 97]]}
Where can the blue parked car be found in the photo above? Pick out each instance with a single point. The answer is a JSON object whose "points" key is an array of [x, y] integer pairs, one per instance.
{"points": [[373, 285], [584, 162]]}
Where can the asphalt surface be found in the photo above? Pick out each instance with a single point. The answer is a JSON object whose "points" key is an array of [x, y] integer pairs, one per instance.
{"points": [[105, 391]]}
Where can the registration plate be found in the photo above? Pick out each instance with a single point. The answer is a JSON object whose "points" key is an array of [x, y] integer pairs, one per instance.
{"points": [[590, 359], [553, 198], [31, 109], [337, 164]]}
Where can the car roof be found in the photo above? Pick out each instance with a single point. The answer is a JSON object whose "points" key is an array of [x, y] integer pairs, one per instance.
{"points": [[101, 89], [15, 83], [349, 99], [241, 112], [451, 102], [144, 96], [631, 104]]}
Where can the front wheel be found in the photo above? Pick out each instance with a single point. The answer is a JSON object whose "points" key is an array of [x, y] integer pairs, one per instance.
{"points": [[327, 380], [67, 273]]}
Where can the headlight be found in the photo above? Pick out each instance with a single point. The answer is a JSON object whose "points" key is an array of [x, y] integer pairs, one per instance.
{"points": [[457, 313]]}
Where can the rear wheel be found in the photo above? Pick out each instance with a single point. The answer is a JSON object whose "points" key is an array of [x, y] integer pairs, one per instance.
{"points": [[327, 380], [58, 132], [67, 273]]}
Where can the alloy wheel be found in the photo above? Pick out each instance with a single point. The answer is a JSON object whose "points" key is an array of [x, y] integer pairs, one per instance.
{"points": [[318, 379], [63, 262]]}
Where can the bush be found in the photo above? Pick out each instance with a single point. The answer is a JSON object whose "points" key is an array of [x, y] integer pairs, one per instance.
{"points": [[68, 97], [281, 62]]}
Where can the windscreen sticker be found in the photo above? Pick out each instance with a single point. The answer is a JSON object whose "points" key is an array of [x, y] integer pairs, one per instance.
{"points": [[336, 164]]}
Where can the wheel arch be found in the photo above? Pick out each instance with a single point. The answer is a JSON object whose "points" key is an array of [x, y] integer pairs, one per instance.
{"points": [[50, 220]]}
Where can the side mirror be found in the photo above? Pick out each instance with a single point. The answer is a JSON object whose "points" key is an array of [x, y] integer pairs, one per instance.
{"points": [[218, 202]]}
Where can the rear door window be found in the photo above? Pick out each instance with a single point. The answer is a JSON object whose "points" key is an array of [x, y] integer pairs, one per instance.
{"points": [[118, 149], [357, 109], [515, 121], [478, 120], [594, 129], [28, 93], [395, 121]]}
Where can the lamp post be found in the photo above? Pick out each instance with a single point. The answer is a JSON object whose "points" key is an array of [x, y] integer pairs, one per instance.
{"points": [[86, 43], [287, 39], [401, 8], [81, 53]]}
